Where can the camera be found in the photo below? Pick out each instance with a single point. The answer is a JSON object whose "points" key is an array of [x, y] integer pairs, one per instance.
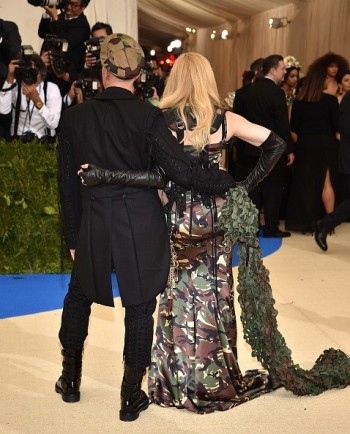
{"points": [[147, 81], [60, 4], [58, 49], [89, 87], [25, 73], [93, 46]]}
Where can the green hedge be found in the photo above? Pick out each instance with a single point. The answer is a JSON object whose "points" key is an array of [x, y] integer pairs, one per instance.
{"points": [[30, 233]]}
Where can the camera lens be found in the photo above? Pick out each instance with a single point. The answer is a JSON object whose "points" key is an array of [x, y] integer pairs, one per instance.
{"points": [[147, 92], [30, 76]]}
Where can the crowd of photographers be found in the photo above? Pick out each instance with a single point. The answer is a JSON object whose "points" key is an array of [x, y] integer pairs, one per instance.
{"points": [[34, 89]]}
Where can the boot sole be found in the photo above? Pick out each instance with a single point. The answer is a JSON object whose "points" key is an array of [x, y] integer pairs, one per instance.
{"points": [[68, 397], [130, 417]]}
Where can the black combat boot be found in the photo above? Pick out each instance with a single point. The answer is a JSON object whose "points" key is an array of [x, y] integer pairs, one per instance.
{"points": [[68, 384], [320, 234], [133, 399]]}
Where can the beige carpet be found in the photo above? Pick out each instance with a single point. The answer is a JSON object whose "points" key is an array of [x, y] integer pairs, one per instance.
{"points": [[312, 293]]}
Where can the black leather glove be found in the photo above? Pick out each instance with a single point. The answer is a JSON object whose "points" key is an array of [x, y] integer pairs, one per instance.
{"points": [[272, 150], [93, 175]]}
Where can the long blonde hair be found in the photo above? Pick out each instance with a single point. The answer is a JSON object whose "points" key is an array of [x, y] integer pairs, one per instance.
{"points": [[191, 84]]}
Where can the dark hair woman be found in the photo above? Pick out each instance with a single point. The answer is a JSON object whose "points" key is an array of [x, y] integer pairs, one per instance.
{"points": [[314, 124]]}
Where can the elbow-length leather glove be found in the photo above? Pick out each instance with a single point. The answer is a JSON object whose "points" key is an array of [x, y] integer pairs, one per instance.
{"points": [[93, 175], [272, 150]]}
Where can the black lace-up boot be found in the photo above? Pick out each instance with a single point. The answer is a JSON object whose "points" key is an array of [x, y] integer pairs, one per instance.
{"points": [[133, 399], [68, 384]]}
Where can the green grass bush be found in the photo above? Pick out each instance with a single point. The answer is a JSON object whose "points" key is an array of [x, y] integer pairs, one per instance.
{"points": [[30, 232]]}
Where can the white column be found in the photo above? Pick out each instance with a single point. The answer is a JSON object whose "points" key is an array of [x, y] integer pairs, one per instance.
{"points": [[120, 14]]}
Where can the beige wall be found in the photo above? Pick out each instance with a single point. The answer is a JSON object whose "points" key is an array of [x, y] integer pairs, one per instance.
{"points": [[317, 26]]}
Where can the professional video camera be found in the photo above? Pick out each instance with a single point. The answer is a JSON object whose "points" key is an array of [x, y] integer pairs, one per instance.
{"points": [[25, 73], [147, 81], [60, 4], [93, 46], [89, 87], [58, 49]]}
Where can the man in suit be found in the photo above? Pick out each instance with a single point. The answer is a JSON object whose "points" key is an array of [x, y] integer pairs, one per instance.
{"points": [[266, 105], [118, 226], [10, 49], [246, 155], [342, 212]]}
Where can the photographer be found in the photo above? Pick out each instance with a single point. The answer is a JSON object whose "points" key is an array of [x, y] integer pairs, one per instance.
{"points": [[35, 104], [99, 32], [88, 85], [150, 85], [71, 25], [10, 47]]}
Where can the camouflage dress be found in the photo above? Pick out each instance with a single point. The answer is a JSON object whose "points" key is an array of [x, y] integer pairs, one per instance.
{"points": [[194, 358]]}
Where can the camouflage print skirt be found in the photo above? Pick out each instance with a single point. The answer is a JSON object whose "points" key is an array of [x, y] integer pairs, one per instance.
{"points": [[194, 358]]}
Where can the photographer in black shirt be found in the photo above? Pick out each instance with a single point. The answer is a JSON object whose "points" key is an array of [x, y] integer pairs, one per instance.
{"points": [[72, 25]]}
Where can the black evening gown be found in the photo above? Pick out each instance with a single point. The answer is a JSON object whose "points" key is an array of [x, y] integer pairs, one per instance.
{"points": [[316, 150]]}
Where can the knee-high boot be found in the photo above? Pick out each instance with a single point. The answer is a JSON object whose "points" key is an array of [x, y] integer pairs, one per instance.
{"points": [[133, 399], [68, 385]]}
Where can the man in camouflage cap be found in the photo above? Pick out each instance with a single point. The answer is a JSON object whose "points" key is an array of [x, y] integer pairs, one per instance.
{"points": [[120, 225]]}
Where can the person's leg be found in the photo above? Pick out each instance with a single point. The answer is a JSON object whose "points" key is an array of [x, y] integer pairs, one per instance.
{"points": [[329, 222], [137, 357], [328, 197], [340, 214], [72, 334], [272, 192]]}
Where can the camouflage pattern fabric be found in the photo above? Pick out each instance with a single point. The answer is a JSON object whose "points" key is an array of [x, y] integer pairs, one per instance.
{"points": [[122, 56], [194, 359]]}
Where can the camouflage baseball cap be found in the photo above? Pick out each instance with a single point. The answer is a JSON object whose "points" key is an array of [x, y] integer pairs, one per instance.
{"points": [[122, 56]]}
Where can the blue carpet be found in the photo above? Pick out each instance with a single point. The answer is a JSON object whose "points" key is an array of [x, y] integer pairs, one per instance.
{"points": [[24, 294]]}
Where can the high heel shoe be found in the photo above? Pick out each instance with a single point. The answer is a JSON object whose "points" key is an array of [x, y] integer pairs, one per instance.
{"points": [[320, 235]]}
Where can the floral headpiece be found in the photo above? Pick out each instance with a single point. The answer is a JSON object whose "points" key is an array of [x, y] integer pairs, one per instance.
{"points": [[291, 62]]}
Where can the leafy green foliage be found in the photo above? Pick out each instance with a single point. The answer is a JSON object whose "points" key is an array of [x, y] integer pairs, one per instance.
{"points": [[30, 232]]}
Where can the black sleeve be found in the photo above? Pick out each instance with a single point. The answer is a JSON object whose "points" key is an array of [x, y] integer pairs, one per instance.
{"points": [[10, 47], [69, 188], [44, 27], [238, 102], [11, 42], [179, 168], [295, 117], [345, 119], [334, 113], [282, 121]]}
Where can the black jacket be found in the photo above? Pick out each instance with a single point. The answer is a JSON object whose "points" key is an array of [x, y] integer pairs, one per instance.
{"points": [[266, 106], [122, 224], [344, 145]]}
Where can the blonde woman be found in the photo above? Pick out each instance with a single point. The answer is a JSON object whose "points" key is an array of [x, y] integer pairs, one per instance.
{"points": [[194, 360]]}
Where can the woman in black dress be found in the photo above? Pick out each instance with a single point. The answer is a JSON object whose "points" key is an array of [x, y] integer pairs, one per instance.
{"points": [[314, 124]]}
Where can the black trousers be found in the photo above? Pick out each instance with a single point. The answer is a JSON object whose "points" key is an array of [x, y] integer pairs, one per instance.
{"points": [[138, 326], [267, 196], [342, 212]]}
